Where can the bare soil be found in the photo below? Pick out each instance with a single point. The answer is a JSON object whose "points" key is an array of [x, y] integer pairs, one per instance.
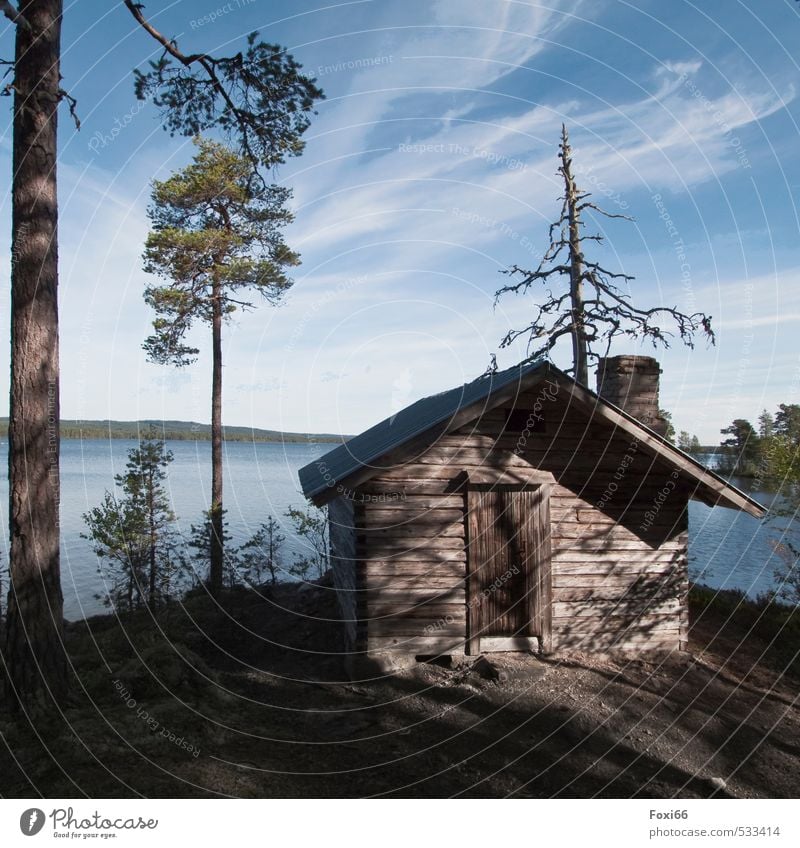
{"points": [[253, 701]]}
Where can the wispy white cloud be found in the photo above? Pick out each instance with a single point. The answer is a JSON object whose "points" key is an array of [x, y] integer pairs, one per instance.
{"points": [[463, 47], [669, 140], [402, 246]]}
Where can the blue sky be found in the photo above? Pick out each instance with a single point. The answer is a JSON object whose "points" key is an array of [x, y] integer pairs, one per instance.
{"points": [[428, 170]]}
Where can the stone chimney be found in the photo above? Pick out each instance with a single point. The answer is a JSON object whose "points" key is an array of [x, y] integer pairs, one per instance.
{"points": [[631, 383]]}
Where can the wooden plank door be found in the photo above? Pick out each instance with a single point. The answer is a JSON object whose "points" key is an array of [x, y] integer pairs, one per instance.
{"points": [[509, 589]]}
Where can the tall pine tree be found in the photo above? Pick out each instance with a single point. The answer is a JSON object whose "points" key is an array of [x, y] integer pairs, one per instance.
{"points": [[261, 100], [217, 239], [33, 649]]}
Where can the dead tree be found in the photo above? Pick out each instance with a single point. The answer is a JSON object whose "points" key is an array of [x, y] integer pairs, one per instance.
{"points": [[594, 309]]}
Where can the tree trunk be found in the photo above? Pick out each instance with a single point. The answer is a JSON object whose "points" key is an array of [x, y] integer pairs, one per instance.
{"points": [[153, 537], [578, 332], [34, 653], [217, 552]]}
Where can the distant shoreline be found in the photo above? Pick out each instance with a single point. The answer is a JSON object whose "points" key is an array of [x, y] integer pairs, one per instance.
{"points": [[179, 431], [192, 431]]}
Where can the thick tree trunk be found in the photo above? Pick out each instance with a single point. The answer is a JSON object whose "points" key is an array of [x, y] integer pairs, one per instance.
{"points": [[217, 552], [578, 333], [33, 650]]}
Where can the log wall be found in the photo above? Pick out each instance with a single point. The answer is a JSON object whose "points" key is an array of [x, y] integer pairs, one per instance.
{"points": [[618, 535], [341, 532]]}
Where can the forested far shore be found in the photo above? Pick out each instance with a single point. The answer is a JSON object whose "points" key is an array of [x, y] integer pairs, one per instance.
{"points": [[190, 431], [177, 431], [768, 452]]}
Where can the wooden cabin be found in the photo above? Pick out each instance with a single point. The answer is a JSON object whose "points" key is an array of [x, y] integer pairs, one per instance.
{"points": [[521, 511]]}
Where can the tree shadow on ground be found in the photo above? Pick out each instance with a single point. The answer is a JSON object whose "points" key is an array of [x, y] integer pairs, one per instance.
{"points": [[261, 695]]}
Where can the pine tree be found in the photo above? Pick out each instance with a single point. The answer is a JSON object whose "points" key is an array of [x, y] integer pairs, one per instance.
{"points": [[311, 528], [136, 532], [787, 422], [261, 554], [669, 427], [202, 538], [258, 98], [742, 444], [217, 239], [688, 442], [33, 649], [766, 425]]}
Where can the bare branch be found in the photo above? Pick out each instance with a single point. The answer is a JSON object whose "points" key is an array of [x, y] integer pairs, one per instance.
{"points": [[169, 46], [602, 211], [13, 14], [73, 104]]}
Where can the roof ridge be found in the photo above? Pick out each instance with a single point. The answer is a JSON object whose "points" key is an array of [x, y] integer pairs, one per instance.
{"points": [[397, 429]]}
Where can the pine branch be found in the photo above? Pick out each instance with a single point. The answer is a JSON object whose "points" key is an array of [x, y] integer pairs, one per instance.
{"points": [[259, 94]]}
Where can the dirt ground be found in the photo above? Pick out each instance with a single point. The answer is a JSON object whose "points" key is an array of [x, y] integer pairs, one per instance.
{"points": [[255, 703]]}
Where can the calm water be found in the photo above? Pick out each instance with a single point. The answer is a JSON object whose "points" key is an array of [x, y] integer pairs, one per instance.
{"points": [[732, 550], [260, 480], [727, 549]]}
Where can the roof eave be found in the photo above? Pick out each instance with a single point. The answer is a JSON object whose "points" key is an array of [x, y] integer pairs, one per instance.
{"points": [[718, 490], [334, 487], [712, 489]]}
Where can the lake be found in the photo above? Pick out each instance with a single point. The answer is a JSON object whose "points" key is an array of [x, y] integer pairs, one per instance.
{"points": [[260, 480], [727, 549]]}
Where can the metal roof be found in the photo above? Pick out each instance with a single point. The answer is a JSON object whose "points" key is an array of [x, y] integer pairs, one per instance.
{"points": [[392, 432], [361, 451]]}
